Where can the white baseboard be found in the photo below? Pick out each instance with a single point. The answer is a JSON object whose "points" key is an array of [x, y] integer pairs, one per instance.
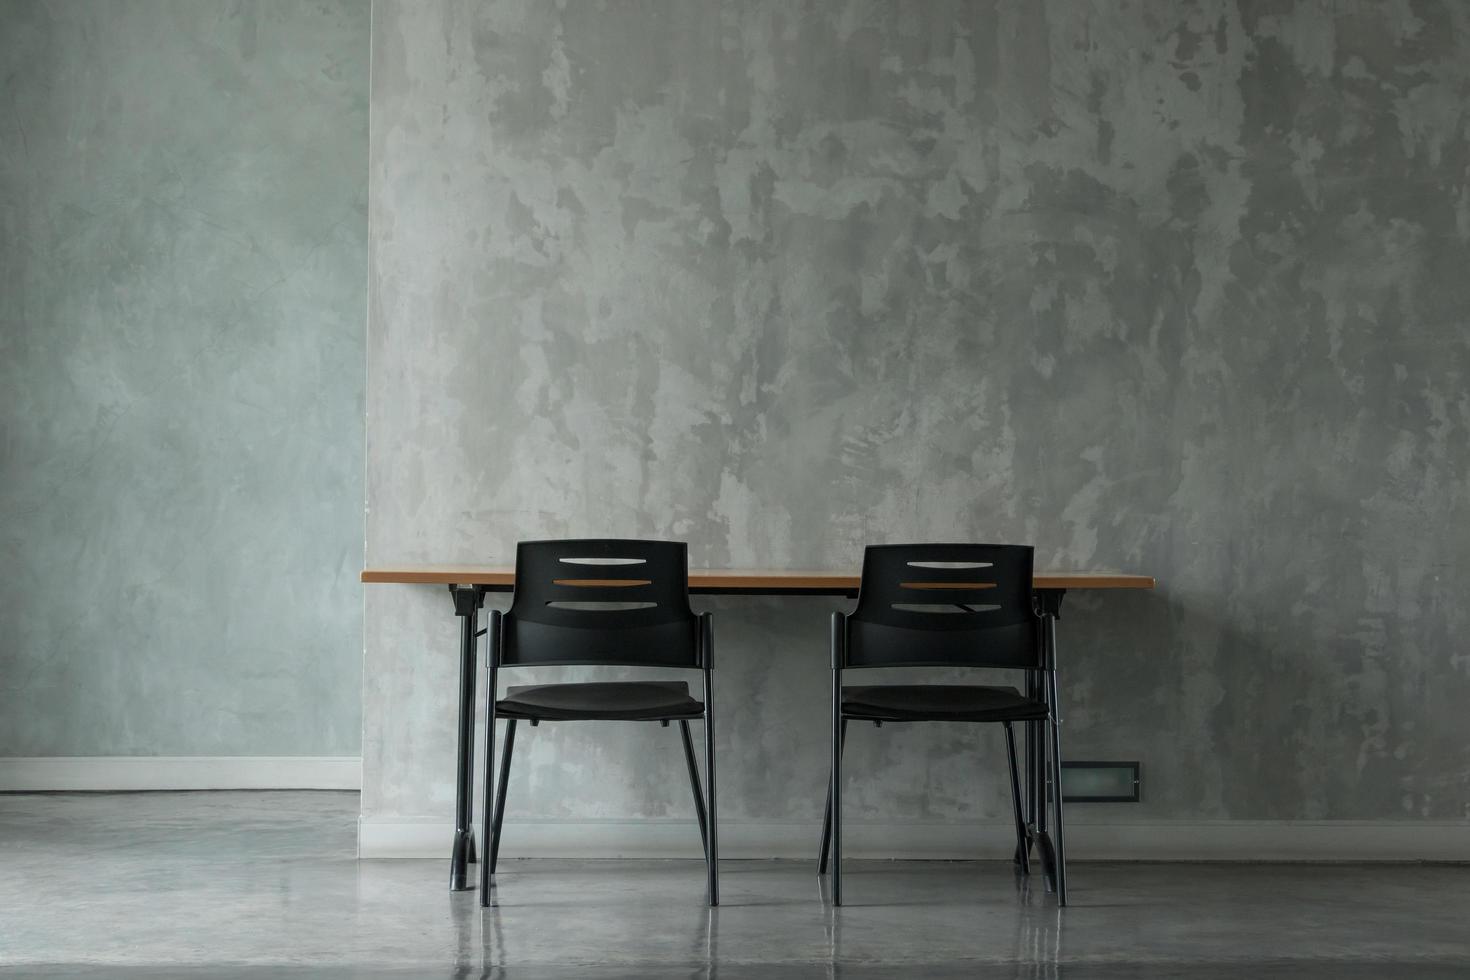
{"points": [[137, 772], [1211, 840]]}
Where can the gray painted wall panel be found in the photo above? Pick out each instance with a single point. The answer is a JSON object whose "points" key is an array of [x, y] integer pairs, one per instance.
{"points": [[1176, 288], [182, 279]]}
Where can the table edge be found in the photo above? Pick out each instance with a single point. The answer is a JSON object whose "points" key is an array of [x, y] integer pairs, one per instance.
{"points": [[699, 578]]}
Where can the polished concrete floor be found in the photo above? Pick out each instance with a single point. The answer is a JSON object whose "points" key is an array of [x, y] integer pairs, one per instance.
{"points": [[265, 885]]}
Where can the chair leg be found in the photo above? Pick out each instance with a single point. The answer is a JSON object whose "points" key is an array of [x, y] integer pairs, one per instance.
{"points": [[1039, 768], [712, 860], [1059, 842], [694, 785], [505, 753], [487, 824], [836, 787], [827, 815], [1022, 859]]}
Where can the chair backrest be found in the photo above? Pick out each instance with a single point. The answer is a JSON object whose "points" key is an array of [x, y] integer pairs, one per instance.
{"points": [[944, 605], [601, 601]]}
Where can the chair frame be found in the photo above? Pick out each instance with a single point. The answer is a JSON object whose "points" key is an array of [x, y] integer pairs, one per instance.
{"points": [[705, 805], [1043, 775]]}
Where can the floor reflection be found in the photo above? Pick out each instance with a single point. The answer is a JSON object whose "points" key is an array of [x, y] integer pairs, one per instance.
{"points": [[265, 885]]}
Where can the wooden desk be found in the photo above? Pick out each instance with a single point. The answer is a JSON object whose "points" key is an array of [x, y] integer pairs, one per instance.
{"points": [[711, 581], [469, 584]]}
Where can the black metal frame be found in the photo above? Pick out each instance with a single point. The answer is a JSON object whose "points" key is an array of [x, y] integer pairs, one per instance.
{"points": [[1136, 782], [1042, 768]]}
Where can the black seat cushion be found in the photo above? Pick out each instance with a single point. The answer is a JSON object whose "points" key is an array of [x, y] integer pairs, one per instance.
{"points": [[607, 701], [939, 702]]}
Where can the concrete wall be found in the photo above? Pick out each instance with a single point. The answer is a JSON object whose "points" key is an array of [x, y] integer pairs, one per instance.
{"points": [[182, 291], [1173, 288]]}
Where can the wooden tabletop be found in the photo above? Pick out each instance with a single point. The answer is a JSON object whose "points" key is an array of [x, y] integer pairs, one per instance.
{"points": [[714, 580]]}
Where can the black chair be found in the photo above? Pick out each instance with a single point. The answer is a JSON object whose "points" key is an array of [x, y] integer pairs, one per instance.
{"points": [[608, 603], [946, 605]]}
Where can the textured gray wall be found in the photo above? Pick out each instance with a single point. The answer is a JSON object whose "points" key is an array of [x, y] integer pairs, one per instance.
{"points": [[182, 298], [1174, 288]]}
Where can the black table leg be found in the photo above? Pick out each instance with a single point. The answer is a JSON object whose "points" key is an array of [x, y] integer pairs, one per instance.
{"points": [[1032, 730], [1044, 778], [467, 603], [1034, 790]]}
